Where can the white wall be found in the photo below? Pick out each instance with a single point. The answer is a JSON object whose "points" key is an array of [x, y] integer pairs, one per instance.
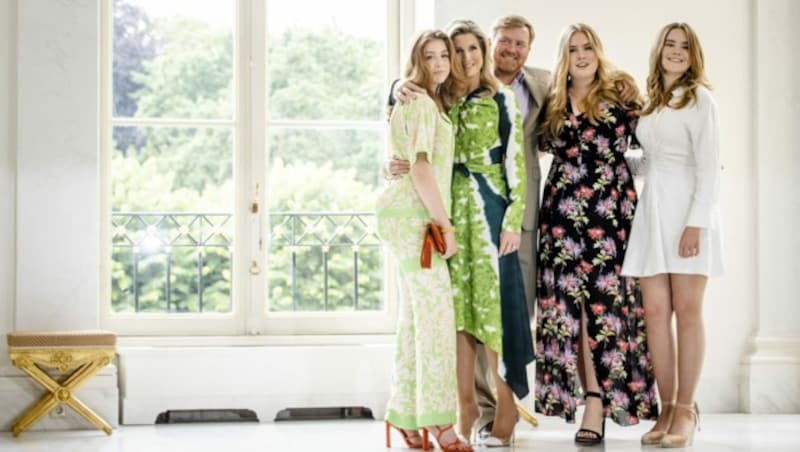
{"points": [[7, 173], [778, 110], [628, 29], [49, 198], [57, 271], [771, 371]]}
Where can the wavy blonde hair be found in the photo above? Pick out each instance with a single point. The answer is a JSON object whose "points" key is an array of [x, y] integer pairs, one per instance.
{"points": [[487, 79], [601, 89], [453, 87], [659, 95]]}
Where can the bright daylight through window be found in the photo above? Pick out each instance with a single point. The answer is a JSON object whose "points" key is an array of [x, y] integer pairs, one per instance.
{"points": [[178, 190]]}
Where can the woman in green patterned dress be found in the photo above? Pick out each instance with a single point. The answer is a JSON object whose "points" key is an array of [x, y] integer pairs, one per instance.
{"points": [[488, 190], [423, 384]]}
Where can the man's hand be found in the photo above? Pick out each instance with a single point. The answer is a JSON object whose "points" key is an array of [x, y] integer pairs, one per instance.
{"points": [[405, 91]]}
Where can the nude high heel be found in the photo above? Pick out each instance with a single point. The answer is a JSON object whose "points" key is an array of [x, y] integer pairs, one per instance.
{"points": [[674, 440], [653, 437]]}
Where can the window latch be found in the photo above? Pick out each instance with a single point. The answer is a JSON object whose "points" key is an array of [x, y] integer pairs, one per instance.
{"points": [[254, 202]]}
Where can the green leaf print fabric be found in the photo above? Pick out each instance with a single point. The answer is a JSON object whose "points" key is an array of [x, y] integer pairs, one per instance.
{"points": [[489, 197]]}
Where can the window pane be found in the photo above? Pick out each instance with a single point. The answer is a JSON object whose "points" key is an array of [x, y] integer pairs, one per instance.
{"points": [[351, 156], [173, 59], [326, 61], [324, 262], [172, 225], [324, 254]]}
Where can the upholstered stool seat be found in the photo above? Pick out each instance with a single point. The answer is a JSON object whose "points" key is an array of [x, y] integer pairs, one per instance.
{"points": [[76, 355]]}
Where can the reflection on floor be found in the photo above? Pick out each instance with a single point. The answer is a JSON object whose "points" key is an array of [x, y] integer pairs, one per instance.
{"points": [[721, 432]]}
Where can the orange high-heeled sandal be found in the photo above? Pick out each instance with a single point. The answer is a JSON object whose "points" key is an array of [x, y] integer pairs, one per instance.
{"points": [[424, 444], [457, 445]]}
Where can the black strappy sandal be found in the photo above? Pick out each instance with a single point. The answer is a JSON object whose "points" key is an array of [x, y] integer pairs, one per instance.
{"points": [[593, 438]]}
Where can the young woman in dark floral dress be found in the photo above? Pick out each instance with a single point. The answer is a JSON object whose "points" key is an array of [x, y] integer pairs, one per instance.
{"points": [[590, 318]]}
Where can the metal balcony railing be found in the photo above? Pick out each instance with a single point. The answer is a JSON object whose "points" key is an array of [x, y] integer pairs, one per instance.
{"points": [[183, 262]]}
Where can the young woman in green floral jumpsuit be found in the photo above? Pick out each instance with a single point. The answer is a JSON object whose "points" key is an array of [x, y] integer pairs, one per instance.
{"points": [[488, 191], [423, 385]]}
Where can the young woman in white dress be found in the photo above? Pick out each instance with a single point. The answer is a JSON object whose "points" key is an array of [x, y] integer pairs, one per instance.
{"points": [[675, 240]]}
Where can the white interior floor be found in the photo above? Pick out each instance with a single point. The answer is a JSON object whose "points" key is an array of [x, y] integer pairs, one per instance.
{"points": [[720, 432]]}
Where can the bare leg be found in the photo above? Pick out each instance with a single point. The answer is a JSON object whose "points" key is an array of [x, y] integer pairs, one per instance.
{"points": [[465, 367], [593, 414], [657, 294], [687, 298], [505, 416]]}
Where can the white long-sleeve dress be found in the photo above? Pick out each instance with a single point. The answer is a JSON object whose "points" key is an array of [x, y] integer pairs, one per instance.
{"points": [[681, 165]]}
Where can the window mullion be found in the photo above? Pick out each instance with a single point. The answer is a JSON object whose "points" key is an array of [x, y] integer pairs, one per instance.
{"points": [[257, 241]]}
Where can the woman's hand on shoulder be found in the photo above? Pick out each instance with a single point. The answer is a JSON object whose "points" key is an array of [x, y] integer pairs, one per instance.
{"points": [[406, 91]]}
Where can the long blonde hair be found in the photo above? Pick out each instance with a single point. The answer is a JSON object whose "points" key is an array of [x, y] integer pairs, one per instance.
{"points": [[601, 89], [453, 87], [659, 95], [487, 79]]}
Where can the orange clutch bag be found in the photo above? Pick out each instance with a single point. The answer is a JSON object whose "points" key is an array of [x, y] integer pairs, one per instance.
{"points": [[433, 240]]}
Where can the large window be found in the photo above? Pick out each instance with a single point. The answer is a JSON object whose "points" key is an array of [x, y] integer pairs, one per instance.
{"points": [[242, 143]]}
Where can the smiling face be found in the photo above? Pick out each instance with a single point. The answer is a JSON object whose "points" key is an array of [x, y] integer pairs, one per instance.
{"points": [[436, 59], [511, 48], [675, 59], [582, 57], [468, 51]]}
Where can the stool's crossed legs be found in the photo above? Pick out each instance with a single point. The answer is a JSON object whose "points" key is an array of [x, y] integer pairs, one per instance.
{"points": [[59, 392]]}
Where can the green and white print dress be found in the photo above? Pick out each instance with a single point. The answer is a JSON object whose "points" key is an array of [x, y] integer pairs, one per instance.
{"points": [[423, 391], [489, 197]]}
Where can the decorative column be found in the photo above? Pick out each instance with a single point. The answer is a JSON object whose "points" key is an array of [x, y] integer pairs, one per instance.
{"points": [[771, 369]]}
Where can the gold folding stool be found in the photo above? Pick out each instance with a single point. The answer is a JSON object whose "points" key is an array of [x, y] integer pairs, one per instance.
{"points": [[77, 355]]}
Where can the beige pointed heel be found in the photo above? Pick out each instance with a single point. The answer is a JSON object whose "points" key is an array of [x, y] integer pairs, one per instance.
{"points": [[675, 440], [653, 437]]}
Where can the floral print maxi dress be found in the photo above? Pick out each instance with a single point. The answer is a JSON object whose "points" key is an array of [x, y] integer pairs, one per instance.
{"points": [[585, 218], [423, 391], [488, 198]]}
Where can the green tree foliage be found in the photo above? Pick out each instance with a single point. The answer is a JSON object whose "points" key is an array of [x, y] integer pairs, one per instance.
{"points": [[185, 70], [327, 75], [307, 187], [134, 43]]}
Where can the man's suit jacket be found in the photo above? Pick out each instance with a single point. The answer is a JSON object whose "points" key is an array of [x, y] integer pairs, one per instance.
{"points": [[537, 81]]}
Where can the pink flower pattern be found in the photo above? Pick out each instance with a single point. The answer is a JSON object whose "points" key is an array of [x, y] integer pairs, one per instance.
{"points": [[585, 219]]}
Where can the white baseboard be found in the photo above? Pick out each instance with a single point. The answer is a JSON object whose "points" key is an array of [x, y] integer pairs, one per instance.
{"points": [[265, 379], [771, 376]]}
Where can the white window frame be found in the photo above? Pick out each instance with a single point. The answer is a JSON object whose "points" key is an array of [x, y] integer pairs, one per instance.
{"points": [[249, 314]]}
